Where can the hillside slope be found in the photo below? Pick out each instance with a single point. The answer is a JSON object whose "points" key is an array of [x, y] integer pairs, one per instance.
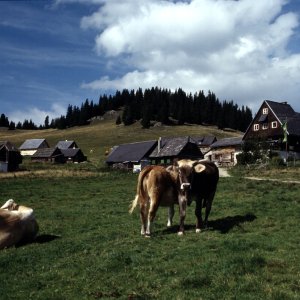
{"points": [[100, 136]]}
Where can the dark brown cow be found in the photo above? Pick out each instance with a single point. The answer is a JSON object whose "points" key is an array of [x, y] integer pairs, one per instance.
{"points": [[17, 224], [159, 187], [204, 177]]}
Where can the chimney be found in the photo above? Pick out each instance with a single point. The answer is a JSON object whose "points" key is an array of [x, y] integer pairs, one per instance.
{"points": [[159, 145]]}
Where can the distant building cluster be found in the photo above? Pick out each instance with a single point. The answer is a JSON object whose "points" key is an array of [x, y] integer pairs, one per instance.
{"points": [[38, 150], [276, 123]]}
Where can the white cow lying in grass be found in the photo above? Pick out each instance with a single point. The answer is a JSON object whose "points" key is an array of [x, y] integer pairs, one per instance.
{"points": [[17, 224]]}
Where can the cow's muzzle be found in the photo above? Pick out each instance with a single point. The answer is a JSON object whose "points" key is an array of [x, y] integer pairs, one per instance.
{"points": [[185, 186]]}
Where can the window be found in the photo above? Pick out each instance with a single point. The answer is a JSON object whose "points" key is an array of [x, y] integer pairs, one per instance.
{"points": [[256, 127], [265, 126], [274, 124], [265, 111]]}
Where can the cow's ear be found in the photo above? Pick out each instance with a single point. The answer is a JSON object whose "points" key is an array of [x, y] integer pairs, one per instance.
{"points": [[9, 204], [170, 168], [199, 168]]}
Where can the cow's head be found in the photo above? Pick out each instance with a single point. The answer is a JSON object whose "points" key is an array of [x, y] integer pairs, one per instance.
{"points": [[186, 169]]}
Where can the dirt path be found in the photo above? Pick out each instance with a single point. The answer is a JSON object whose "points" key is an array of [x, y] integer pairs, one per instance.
{"points": [[270, 179]]}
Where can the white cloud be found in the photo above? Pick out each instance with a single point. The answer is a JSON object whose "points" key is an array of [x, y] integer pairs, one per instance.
{"points": [[37, 115], [234, 48]]}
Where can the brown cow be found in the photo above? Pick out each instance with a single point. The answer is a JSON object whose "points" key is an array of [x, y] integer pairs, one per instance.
{"points": [[17, 224], [159, 187], [204, 177]]}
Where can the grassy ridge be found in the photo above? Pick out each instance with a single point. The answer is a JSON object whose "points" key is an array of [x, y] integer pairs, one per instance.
{"points": [[95, 139], [89, 247]]}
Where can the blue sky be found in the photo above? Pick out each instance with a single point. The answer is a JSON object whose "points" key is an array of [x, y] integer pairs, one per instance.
{"points": [[55, 53]]}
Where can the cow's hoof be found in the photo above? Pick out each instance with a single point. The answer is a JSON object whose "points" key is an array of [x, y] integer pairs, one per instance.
{"points": [[198, 230], [180, 232], [147, 236]]}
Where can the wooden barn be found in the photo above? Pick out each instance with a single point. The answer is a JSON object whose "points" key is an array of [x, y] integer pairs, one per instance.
{"points": [[30, 146], [127, 155], [224, 151], [10, 157], [168, 149], [74, 155], [268, 125], [51, 155]]}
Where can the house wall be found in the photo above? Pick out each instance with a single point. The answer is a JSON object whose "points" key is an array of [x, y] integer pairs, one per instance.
{"points": [[223, 157], [27, 152], [265, 130]]}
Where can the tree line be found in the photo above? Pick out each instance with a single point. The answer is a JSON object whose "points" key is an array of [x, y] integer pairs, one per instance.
{"points": [[148, 106]]}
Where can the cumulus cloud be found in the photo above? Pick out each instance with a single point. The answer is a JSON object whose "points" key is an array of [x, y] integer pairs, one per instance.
{"points": [[234, 48], [37, 115]]}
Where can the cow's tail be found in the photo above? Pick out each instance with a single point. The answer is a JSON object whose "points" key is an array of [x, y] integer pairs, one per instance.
{"points": [[139, 189], [134, 203]]}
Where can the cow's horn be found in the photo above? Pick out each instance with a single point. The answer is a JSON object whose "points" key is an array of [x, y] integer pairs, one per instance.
{"points": [[199, 168], [8, 204]]}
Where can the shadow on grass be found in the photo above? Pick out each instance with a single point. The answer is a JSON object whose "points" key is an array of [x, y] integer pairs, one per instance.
{"points": [[45, 238], [40, 239], [223, 225]]}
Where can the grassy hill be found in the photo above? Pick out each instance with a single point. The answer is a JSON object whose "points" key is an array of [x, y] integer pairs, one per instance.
{"points": [[100, 136]]}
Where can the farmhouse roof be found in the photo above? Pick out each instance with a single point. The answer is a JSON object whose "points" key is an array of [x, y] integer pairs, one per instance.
{"points": [[47, 152], [130, 152], [284, 112], [66, 144], [204, 140], [171, 146], [33, 144], [226, 142], [71, 152], [8, 145]]}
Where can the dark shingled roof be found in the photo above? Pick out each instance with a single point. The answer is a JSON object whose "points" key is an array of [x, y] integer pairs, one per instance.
{"points": [[234, 141], [47, 152], [32, 144], [133, 152], [284, 112], [204, 140], [281, 109], [66, 144], [172, 146], [8, 145], [70, 152]]}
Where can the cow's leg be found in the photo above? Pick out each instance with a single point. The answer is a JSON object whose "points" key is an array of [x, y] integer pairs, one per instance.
{"points": [[209, 201], [144, 217], [170, 215], [182, 212], [151, 215], [198, 213]]}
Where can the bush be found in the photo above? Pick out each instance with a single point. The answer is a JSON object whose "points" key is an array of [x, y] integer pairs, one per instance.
{"points": [[245, 158], [276, 161]]}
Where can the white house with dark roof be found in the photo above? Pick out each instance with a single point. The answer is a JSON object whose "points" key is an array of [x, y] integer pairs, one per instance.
{"points": [[224, 151], [30, 146]]}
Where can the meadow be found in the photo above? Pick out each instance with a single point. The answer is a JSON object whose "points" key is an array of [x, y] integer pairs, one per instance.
{"points": [[89, 247]]}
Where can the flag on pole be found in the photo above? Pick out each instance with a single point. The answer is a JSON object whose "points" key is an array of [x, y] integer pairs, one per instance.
{"points": [[285, 133]]}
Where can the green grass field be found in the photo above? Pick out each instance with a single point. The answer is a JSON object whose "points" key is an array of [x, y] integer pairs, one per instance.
{"points": [[89, 247]]}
